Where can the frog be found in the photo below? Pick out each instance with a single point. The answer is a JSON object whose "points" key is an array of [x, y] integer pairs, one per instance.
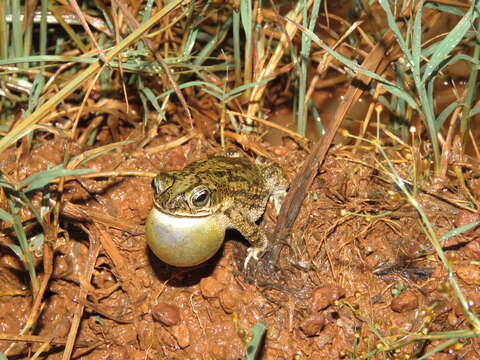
{"points": [[194, 207]]}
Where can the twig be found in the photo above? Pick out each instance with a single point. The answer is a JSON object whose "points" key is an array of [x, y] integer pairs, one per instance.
{"points": [[39, 339], [93, 250]]}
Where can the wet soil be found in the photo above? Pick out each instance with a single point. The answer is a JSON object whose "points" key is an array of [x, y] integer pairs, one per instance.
{"points": [[356, 273]]}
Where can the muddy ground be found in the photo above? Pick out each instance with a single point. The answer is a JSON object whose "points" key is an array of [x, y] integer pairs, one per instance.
{"points": [[355, 276]]}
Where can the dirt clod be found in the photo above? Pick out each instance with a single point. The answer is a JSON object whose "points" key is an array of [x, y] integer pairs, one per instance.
{"points": [[210, 287], [466, 217], [182, 335], [229, 298], [123, 334], [406, 301], [472, 249], [167, 314], [468, 273], [325, 296], [313, 324]]}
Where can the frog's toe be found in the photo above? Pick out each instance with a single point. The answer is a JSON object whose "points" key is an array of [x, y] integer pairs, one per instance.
{"points": [[253, 253]]}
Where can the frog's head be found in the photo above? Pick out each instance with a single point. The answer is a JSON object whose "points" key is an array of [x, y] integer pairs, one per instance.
{"points": [[181, 194]]}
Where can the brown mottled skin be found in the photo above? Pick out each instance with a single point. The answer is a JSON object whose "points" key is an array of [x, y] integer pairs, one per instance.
{"points": [[225, 185]]}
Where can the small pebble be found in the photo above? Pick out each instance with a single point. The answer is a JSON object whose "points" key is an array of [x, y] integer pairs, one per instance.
{"points": [[472, 249], [182, 335], [466, 217], [229, 299], [406, 301], [468, 273], [167, 314], [325, 296], [210, 287], [313, 324]]}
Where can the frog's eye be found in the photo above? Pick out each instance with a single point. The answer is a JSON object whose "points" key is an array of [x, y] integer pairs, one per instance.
{"points": [[200, 197]]}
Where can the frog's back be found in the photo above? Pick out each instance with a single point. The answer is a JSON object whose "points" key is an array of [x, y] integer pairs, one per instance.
{"points": [[235, 177]]}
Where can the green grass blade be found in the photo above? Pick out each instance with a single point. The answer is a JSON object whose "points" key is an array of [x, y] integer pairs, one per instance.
{"points": [[40, 179], [17, 250], [47, 58], [135, 65], [458, 231], [220, 97], [436, 335], [445, 114], [6, 184], [316, 117], [450, 9], [449, 43], [195, 83], [3, 31], [152, 98], [475, 111], [213, 43], [190, 43], [396, 31], [304, 62], [17, 32], [438, 348], [247, 23], [253, 346], [244, 87], [302, 75], [147, 11], [238, 91], [43, 28], [27, 257], [246, 17], [417, 40], [5, 216], [95, 153], [452, 59], [470, 96], [37, 89]]}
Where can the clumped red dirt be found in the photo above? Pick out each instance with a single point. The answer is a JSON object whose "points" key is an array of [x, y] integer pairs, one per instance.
{"points": [[356, 263]]}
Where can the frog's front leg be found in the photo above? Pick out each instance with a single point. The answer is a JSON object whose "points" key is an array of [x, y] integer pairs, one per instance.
{"points": [[250, 231]]}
